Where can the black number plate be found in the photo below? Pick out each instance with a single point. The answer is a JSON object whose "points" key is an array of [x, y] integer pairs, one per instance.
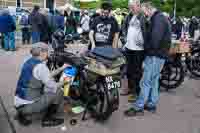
{"points": [[112, 83]]}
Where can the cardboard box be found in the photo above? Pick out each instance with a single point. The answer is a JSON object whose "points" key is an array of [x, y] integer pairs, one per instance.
{"points": [[180, 47]]}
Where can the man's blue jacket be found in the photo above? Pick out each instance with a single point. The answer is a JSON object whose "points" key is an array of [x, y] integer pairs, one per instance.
{"points": [[7, 24]]}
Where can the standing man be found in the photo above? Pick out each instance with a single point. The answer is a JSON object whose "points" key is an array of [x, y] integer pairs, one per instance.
{"points": [[8, 27], [85, 20], [133, 30], [70, 22], [104, 29], [45, 27], [25, 29], [156, 52], [35, 20]]}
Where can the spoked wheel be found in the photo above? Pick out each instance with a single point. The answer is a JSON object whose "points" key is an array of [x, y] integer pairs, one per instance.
{"points": [[106, 102], [193, 63], [172, 75]]}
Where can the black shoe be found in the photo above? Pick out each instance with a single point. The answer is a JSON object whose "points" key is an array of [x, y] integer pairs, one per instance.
{"points": [[133, 112], [13, 50], [150, 109], [51, 122], [23, 120]]}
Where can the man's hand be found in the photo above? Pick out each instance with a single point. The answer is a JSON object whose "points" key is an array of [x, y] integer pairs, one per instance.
{"points": [[65, 66], [115, 40], [59, 70]]}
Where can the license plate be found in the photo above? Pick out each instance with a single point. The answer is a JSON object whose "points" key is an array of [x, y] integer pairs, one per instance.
{"points": [[112, 83]]}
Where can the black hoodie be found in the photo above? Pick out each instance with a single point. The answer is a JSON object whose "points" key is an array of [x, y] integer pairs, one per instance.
{"points": [[158, 38]]}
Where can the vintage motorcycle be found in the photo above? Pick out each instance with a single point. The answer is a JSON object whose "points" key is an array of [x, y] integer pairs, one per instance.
{"points": [[174, 70], [97, 77]]}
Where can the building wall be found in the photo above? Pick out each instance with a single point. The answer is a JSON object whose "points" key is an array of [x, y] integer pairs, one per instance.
{"points": [[29, 3], [60, 3], [6, 3]]}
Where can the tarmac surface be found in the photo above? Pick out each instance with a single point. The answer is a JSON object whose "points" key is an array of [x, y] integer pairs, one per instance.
{"points": [[178, 110]]}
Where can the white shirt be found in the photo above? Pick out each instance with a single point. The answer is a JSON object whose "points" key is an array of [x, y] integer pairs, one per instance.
{"points": [[135, 39], [85, 23]]}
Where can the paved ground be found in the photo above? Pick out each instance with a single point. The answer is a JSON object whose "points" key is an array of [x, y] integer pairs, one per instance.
{"points": [[178, 111]]}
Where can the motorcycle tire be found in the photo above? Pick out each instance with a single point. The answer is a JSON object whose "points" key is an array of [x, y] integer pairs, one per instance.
{"points": [[107, 102], [172, 75], [193, 63]]}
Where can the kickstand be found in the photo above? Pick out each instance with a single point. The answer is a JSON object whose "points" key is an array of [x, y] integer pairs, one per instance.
{"points": [[87, 108], [85, 111]]}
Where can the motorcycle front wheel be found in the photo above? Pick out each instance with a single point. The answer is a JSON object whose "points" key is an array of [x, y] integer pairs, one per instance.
{"points": [[106, 102], [193, 63]]}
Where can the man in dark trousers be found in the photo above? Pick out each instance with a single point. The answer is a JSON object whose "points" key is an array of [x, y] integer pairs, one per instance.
{"points": [[25, 29], [35, 20], [156, 48], [133, 29]]}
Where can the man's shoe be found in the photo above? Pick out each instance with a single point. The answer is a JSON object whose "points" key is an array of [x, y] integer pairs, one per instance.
{"points": [[133, 112], [23, 120], [52, 122], [150, 109]]}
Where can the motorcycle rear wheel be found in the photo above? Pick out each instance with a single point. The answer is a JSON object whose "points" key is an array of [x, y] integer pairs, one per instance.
{"points": [[172, 75]]}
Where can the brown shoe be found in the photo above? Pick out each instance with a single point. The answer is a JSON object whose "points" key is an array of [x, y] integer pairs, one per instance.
{"points": [[132, 98]]}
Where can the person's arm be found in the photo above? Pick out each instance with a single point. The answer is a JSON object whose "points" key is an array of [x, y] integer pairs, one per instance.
{"points": [[116, 34], [115, 40], [41, 72], [91, 36], [92, 32], [82, 20], [124, 27]]}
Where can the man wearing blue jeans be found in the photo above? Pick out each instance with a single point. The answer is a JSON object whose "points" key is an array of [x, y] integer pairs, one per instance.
{"points": [[8, 27], [9, 41], [35, 37], [35, 20], [156, 46]]}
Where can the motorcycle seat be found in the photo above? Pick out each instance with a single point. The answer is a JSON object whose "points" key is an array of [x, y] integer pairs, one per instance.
{"points": [[107, 52]]}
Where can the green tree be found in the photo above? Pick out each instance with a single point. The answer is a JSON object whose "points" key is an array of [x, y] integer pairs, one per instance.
{"points": [[184, 7]]}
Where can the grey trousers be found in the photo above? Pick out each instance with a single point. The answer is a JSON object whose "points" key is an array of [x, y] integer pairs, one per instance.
{"points": [[42, 103]]}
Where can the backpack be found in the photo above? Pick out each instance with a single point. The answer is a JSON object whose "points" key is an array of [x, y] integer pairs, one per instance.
{"points": [[24, 20]]}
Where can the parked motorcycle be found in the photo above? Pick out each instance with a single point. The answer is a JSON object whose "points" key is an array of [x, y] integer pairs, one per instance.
{"points": [[97, 78], [174, 70]]}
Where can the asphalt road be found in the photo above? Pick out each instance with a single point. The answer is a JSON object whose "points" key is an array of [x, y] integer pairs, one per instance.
{"points": [[178, 110]]}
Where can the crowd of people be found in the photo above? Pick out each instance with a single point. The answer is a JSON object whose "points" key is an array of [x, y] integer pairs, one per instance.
{"points": [[191, 26], [147, 32]]}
